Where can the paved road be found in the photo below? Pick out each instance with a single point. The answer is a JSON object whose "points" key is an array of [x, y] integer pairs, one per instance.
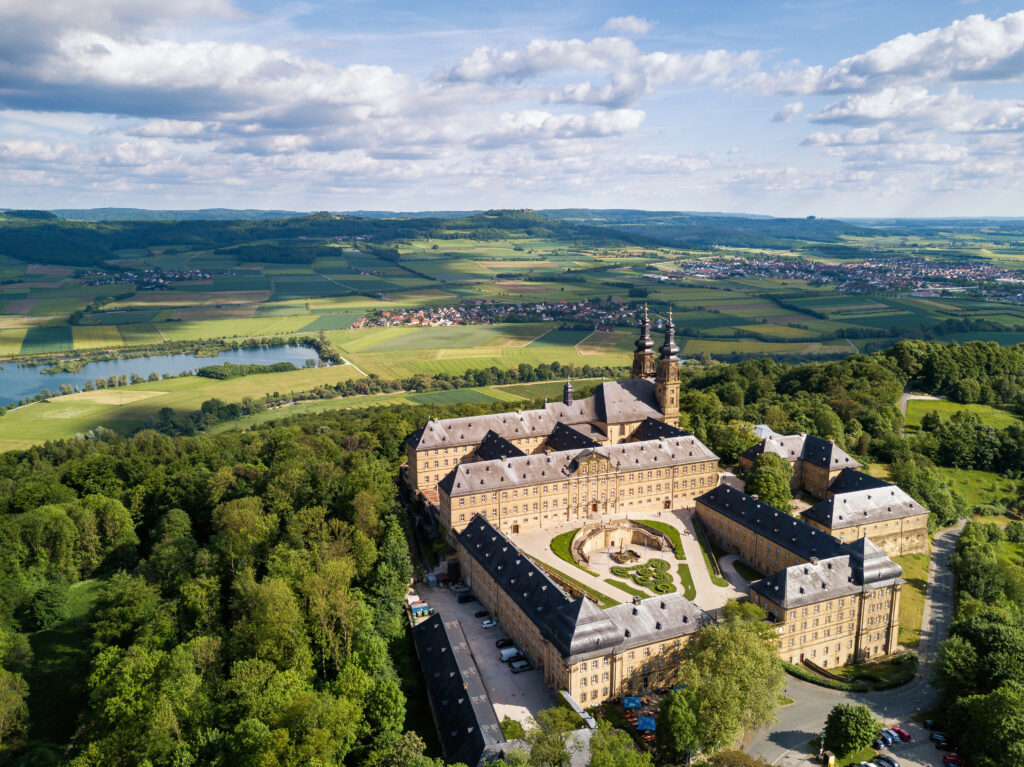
{"points": [[785, 743]]}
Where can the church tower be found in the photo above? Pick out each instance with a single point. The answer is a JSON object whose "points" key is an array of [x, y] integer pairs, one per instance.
{"points": [[666, 382], [567, 392], [643, 357]]}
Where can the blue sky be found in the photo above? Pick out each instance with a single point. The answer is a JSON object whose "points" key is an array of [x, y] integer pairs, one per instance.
{"points": [[833, 108]]}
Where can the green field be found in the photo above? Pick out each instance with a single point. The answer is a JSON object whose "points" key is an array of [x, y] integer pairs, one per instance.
{"points": [[991, 416], [912, 597], [980, 487]]}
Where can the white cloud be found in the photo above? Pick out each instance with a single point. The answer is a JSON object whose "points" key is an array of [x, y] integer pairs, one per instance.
{"points": [[533, 125], [788, 112], [972, 49], [628, 25]]}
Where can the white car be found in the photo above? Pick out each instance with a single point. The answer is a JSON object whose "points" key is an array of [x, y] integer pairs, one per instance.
{"points": [[489, 623]]}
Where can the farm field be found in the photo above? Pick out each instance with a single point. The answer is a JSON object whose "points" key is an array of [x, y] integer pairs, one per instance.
{"points": [[128, 408]]}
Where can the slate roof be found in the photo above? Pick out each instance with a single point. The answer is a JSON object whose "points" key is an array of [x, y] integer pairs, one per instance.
{"points": [[863, 507], [862, 566], [652, 428], [827, 454], [804, 447], [802, 539], [577, 628], [808, 583], [611, 402], [464, 735], [488, 476], [495, 447], [850, 480], [565, 437], [654, 618]]}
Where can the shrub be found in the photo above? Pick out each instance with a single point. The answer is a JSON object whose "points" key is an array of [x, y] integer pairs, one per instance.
{"points": [[809, 676], [622, 572], [49, 605], [664, 588]]}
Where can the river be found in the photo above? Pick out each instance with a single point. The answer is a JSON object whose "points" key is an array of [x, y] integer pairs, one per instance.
{"points": [[17, 383]]}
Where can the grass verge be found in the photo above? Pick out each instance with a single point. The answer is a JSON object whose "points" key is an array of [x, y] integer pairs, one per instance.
{"points": [[912, 597], [561, 545], [809, 676], [689, 590], [705, 547], [603, 601], [746, 572], [670, 531], [626, 587], [865, 754]]}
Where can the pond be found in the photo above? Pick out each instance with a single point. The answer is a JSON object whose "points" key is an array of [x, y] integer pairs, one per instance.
{"points": [[17, 383]]}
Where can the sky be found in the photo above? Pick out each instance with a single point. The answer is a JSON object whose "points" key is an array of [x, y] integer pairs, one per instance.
{"points": [[828, 108]]}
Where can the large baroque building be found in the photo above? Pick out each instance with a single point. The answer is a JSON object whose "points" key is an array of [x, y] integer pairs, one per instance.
{"points": [[593, 654], [816, 462], [617, 451], [831, 602]]}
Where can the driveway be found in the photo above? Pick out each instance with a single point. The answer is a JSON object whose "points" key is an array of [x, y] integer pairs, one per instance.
{"points": [[519, 696], [785, 742]]}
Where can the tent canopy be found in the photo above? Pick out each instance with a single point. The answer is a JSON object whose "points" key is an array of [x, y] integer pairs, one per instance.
{"points": [[631, 702], [646, 723]]}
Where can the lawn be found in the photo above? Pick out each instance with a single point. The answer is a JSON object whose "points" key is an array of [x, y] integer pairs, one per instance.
{"points": [[915, 573], [57, 679], [670, 531], [991, 416], [689, 589], [980, 487], [561, 545], [746, 572], [705, 548], [627, 588]]}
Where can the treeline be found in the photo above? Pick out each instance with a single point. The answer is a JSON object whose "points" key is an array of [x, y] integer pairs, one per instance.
{"points": [[214, 411], [230, 370], [980, 667], [250, 601], [964, 442], [80, 243], [280, 253], [978, 371]]}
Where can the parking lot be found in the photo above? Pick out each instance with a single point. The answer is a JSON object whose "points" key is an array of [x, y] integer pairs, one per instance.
{"points": [[518, 696]]}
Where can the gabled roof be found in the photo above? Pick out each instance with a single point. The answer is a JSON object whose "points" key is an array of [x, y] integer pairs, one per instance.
{"points": [[565, 437], [611, 402], [808, 583], [862, 507], [652, 428], [648, 620], [465, 729], [870, 564], [802, 539], [850, 480], [827, 454], [804, 447], [496, 447], [489, 476]]}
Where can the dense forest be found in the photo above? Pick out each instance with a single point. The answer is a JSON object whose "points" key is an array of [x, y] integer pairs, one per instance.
{"points": [[239, 596]]}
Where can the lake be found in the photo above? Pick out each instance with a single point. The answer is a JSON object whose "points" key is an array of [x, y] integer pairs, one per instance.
{"points": [[17, 383]]}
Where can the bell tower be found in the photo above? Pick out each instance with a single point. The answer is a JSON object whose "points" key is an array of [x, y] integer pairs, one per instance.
{"points": [[643, 357], [666, 382]]}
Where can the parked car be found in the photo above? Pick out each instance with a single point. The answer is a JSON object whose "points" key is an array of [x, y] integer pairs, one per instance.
{"points": [[879, 743], [952, 760], [945, 745], [504, 642], [463, 598], [520, 665], [904, 735], [507, 654], [462, 588], [488, 623], [929, 724], [517, 656], [884, 760], [938, 736], [482, 614], [889, 736]]}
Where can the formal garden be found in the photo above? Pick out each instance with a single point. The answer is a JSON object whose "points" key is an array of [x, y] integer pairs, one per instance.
{"points": [[653, 575]]}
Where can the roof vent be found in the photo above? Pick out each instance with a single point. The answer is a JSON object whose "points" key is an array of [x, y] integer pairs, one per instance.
{"points": [[628, 635], [658, 625]]}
